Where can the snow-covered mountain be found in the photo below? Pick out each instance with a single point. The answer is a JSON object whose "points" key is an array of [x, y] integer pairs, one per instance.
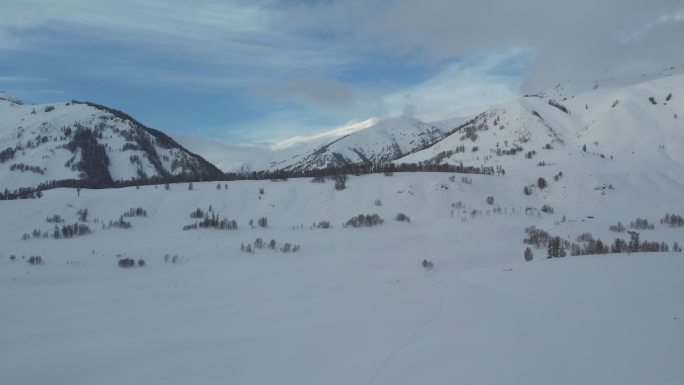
{"points": [[364, 143], [613, 125], [4, 96], [221, 280], [605, 129], [88, 143], [599, 128]]}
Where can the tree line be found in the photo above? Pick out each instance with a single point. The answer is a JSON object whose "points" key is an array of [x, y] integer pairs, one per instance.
{"points": [[198, 176]]}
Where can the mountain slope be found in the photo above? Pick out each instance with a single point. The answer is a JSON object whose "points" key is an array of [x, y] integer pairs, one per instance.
{"points": [[597, 129], [89, 143], [606, 129], [365, 143]]}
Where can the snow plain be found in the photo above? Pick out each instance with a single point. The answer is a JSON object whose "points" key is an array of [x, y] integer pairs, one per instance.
{"points": [[354, 306]]}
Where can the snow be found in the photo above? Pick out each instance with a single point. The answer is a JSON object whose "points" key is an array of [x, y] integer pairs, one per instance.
{"points": [[370, 140], [7, 97], [636, 133], [592, 121], [21, 124], [354, 306]]}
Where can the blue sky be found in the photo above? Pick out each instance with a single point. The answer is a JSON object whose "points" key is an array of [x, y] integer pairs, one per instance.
{"points": [[260, 71]]}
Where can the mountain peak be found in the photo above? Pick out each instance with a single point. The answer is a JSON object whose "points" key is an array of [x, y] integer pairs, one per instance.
{"points": [[5, 96], [88, 145]]}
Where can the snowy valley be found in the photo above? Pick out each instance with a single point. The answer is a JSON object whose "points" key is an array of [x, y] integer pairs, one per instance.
{"points": [[379, 278]]}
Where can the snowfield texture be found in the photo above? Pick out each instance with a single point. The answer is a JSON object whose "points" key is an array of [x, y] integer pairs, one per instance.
{"points": [[354, 306], [83, 141]]}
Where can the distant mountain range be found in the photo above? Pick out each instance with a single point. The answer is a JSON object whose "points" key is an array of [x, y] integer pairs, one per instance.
{"points": [[609, 127]]}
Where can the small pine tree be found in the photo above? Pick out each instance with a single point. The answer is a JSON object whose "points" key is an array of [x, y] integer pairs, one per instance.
{"points": [[541, 183], [190, 186], [554, 248], [528, 255], [83, 215], [633, 242], [340, 182]]}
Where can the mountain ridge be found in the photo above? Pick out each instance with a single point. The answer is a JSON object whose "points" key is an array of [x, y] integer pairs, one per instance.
{"points": [[88, 145]]}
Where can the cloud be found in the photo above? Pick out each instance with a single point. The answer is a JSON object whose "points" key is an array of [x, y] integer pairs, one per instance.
{"points": [[234, 41], [462, 88], [579, 39], [226, 156], [243, 41], [313, 64], [19, 79], [325, 92], [326, 136]]}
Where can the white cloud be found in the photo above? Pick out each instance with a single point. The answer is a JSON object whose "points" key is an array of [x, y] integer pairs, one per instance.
{"points": [[233, 41], [578, 39], [19, 79], [328, 135], [226, 156], [293, 54], [460, 89], [325, 92]]}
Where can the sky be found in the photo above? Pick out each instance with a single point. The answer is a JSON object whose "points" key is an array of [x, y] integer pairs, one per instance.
{"points": [[263, 70]]}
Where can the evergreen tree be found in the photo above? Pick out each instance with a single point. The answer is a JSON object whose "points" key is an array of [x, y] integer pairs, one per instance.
{"points": [[554, 248], [528, 254], [633, 242], [541, 183]]}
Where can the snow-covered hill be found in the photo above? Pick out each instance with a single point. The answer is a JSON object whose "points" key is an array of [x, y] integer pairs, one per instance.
{"points": [[86, 142], [618, 123], [368, 142], [608, 129]]}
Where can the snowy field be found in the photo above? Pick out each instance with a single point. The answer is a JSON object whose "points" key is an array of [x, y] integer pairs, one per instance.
{"points": [[354, 306]]}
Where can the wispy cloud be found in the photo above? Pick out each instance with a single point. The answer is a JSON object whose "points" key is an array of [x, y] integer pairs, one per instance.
{"points": [[337, 132], [463, 87], [277, 68], [231, 41], [325, 92], [643, 31], [19, 79]]}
